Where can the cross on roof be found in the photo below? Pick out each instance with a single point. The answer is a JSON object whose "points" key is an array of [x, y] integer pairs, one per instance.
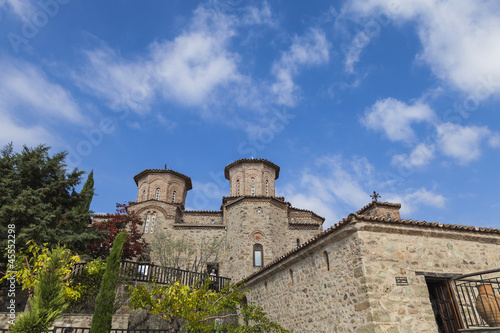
{"points": [[374, 196]]}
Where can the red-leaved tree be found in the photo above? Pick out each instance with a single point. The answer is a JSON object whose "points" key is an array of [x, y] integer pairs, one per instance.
{"points": [[110, 227]]}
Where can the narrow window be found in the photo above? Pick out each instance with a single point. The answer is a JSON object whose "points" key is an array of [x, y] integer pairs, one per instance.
{"points": [[259, 210], [173, 196], [327, 262], [153, 222], [148, 217], [157, 194], [291, 277], [144, 195], [267, 188], [298, 242], [258, 253], [253, 187], [238, 188]]}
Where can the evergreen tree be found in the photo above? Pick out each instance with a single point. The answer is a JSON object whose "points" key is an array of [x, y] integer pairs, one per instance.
{"points": [[87, 193], [37, 194], [105, 300], [48, 301]]}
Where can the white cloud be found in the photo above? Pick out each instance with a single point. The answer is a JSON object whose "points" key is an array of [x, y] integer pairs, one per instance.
{"points": [[30, 102], [459, 39], [462, 143], [25, 87], [420, 156], [195, 69], [334, 187], [359, 42], [21, 134], [310, 49], [395, 118], [22, 8], [413, 200]]}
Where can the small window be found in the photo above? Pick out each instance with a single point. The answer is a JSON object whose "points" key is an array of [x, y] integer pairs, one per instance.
{"points": [[292, 220], [327, 262], [144, 195], [258, 255], [388, 215], [157, 194], [173, 196], [259, 211], [153, 222], [298, 242], [253, 187], [238, 188], [148, 218], [291, 277], [267, 188]]}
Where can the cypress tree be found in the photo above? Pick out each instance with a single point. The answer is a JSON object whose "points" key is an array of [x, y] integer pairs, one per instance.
{"points": [[105, 300], [87, 193]]}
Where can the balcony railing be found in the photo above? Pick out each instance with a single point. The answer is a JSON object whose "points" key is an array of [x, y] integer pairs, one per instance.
{"points": [[146, 272], [478, 298]]}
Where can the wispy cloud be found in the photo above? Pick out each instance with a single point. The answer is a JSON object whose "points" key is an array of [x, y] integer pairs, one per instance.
{"points": [[23, 9], [309, 49], [334, 186], [459, 39], [28, 98]]}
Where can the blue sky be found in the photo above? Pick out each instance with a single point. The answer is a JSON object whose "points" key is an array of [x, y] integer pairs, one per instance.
{"points": [[347, 97]]}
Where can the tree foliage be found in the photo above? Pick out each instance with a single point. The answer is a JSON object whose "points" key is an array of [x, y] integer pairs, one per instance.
{"points": [[48, 302], [105, 300], [37, 259], [199, 307], [87, 193], [110, 227], [37, 194]]}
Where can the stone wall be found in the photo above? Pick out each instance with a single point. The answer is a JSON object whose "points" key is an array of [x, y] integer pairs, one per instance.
{"points": [[413, 252], [359, 292], [307, 292], [74, 320]]}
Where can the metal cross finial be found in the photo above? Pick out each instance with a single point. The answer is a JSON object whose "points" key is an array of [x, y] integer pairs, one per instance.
{"points": [[374, 196], [165, 166]]}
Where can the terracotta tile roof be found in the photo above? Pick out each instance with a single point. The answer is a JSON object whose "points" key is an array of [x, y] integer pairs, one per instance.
{"points": [[378, 203], [308, 211], [359, 217], [251, 160], [189, 185]]}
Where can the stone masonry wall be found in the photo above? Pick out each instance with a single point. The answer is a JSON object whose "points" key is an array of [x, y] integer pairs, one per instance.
{"points": [[303, 295], [392, 251]]}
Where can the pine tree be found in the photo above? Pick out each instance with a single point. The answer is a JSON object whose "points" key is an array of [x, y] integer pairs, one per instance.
{"points": [[37, 194], [105, 300]]}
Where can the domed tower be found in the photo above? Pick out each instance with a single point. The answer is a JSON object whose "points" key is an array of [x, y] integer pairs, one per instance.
{"points": [[163, 185], [252, 177], [256, 219]]}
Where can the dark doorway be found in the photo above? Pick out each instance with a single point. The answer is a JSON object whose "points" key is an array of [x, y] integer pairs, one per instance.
{"points": [[443, 305]]}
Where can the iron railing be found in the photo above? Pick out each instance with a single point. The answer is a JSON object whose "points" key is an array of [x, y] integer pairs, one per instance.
{"points": [[146, 272], [471, 306]]}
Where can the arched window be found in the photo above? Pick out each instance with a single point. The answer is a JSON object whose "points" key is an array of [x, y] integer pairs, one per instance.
{"points": [[153, 222], [253, 187], [291, 277], [144, 195], [146, 225], [258, 255], [327, 262], [173, 196], [298, 242], [238, 187], [157, 194], [259, 211], [267, 188]]}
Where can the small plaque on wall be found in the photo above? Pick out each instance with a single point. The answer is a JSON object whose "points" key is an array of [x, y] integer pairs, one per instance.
{"points": [[401, 281]]}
